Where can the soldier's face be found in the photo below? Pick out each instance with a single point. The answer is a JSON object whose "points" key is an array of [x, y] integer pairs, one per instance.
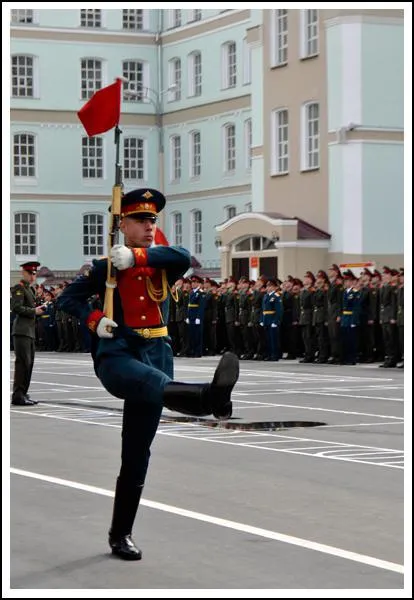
{"points": [[138, 232], [29, 276]]}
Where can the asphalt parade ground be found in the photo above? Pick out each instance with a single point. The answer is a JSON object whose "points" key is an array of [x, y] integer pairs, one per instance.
{"points": [[303, 489]]}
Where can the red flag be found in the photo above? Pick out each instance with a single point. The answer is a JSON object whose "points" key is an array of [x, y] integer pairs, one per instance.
{"points": [[160, 239], [103, 110]]}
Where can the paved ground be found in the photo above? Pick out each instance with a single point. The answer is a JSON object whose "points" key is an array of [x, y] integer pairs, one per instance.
{"points": [[302, 489]]}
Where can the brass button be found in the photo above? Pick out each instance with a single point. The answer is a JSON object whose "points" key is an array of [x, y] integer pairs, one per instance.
{"points": [[146, 333], [141, 298], [143, 317], [139, 278]]}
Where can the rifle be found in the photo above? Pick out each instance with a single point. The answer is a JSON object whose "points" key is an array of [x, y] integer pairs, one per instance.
{"points": [[113, 236]]}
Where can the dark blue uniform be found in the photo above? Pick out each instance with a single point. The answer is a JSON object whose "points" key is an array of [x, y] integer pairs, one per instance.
{"points": [[132, 365], [195, 315], [349, 323], [272, 318]]}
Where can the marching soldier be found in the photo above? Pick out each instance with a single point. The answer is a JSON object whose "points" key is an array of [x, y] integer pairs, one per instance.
{"points": [[23, 305]]}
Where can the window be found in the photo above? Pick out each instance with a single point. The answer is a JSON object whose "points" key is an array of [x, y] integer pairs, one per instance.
{"points": [[175, 153], [230, 212], [93, 235], [91, 77], [247, 62], [92, 158], [24, 155], [136, 72], [229, 148], [194, 15], [195, 154], [248, 207], [25, 234], [175, 18], [177, 229], [310, 129], [252, 244], [310, 33], [90, 17], [279, 45], [248, 143], [194, 74], [197, 232], [175, 79], [229, 65], [133, 20], [134, 158], [22, 76], [280, 142], [21, 16]]}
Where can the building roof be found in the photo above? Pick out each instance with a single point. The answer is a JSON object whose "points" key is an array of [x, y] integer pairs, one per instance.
{"points": [[306, 231]]}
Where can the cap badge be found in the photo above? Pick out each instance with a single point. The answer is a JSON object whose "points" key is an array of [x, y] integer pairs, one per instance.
{"points": [[147, 195]]}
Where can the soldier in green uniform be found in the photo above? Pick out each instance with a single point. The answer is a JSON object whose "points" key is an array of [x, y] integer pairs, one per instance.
{"points": [[23, 305], [400, 316], [306, 300]]}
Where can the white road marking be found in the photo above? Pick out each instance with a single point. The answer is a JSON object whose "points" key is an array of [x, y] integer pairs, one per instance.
{"points": [[242, 527]]}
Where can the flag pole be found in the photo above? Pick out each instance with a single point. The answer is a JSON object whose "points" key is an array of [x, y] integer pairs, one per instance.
{"points": [[113, 236]]}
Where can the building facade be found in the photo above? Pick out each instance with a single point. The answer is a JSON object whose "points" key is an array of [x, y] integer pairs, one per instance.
{"points": [[276, 135]]}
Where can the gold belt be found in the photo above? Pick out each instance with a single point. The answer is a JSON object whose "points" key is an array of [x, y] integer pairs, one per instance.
{"points": [[193, 305], [347, 312], [269, 312], [152, 332]]}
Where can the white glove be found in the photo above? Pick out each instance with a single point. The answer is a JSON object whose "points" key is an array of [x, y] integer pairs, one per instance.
{"points": [[197, 321], [187, 321], [102, 330], [273, 325], [261, 324], [122, 257]]}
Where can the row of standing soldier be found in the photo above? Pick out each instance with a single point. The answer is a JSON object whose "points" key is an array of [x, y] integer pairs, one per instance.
{"points": [[331, 318], [328, 318]]}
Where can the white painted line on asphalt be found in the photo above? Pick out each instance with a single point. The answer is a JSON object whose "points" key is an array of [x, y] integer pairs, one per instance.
{"points": [[244, 528], [319, 409]]}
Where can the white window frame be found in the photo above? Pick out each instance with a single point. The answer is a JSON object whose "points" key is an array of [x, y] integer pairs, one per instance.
{"points": [[99, 246], [310, 140], [91, 13], [173, 17], [140, 91], [35, 76], [196, 236], [248, 142], [279, 36], [145, 19], [194, 166], [280, 147], [195, 80], [89, 91], [26, 257], [228, 66], [247, 62], [194, 15], [305, 38], [125, 170], [175, 78], [175, 159], [226, 149], [90, 142], [177, 228], [25, 179]]}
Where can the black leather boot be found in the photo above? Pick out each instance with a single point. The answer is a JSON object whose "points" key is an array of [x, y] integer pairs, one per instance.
{"points": [[126, 504], [203, 399]]}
